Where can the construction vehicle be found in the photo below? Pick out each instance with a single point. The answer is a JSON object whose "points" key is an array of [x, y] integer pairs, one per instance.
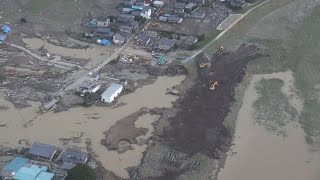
{"points": [[156, 24], [162, 60], [204, 65], [213, 86]]}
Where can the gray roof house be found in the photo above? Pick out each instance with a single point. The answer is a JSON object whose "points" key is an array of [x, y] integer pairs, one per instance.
{"points": [[127, 29], [143, 39], [174, 19], [103, 33], [42, 151], [190, 40], [180, 5], [165, 44], [200, 14], [199, 2], [103, 30], [135, 13], [237, 4], [118, 39], [73, 157], [125, 18], [190, 6], [103, 21]]}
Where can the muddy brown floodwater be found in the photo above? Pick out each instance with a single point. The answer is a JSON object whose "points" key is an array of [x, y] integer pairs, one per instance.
{"points": [[78, 125], [261, 154]]}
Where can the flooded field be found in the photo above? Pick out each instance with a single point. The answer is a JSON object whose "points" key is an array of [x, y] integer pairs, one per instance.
{"points": [[93, 52], [79, 126], [260, 154]]}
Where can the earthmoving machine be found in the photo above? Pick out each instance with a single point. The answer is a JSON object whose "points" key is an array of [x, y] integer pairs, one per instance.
{"points": [[156, 25], [213, 86], [162, 60], [204, 65]]}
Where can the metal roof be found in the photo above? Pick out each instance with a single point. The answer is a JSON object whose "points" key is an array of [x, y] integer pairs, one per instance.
{"points": [[75, 153], [42, 150], [27, 173], [111, 90], [119, 37], [45, 176], [144, 37], [6, 29], [166, 41], [2, 37], [16, 164]]}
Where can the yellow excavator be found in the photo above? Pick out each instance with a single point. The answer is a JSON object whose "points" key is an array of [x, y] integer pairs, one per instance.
{"points": [[156, 25], [213, 86], [204, 65]]}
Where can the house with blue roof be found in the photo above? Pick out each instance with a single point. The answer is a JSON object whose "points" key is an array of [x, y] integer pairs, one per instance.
{"points": [[33, 172], [6, 29], [13, 167], [2, 38]]}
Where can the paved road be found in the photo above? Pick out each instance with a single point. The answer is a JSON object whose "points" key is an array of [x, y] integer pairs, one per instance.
{"points": [[226, 30]]}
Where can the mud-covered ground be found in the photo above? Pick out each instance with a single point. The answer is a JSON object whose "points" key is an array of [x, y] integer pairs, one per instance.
{"points": [[194, 137]]}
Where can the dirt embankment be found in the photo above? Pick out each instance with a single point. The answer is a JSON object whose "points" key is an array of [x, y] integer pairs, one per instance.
{"points": [[198, 126], [124, 130]]}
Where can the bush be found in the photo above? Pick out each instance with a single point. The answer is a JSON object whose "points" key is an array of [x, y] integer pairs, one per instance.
{"points": [[201, 38], [81, 172]]}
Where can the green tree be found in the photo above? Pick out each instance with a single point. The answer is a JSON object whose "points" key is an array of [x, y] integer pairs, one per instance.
{"points": [[81, 172]]}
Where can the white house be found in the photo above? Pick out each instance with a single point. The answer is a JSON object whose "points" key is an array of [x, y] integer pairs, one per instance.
{"points": [[111, 92], [146, 12]]}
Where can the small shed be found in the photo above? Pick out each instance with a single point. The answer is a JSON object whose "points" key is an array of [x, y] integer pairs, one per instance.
{"points": [[111, 92]]}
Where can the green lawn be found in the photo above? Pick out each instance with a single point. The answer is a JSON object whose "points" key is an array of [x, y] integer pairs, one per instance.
{"points": [[207, 39], [238, 32]]}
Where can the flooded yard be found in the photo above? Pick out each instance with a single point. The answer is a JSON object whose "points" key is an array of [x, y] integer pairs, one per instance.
{"points": [[79, 126], [95, 53], [261, 154]]}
